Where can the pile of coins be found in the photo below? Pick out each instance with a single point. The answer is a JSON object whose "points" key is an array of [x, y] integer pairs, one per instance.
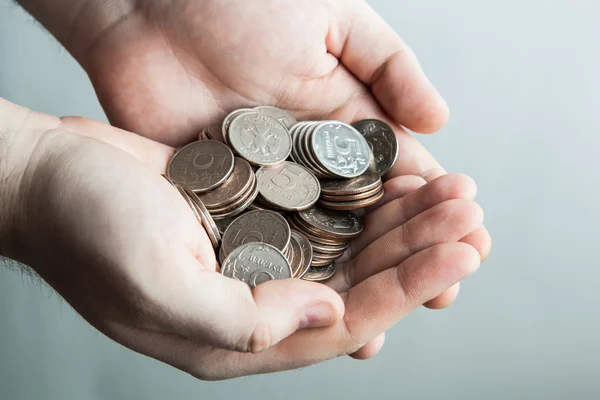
{"points": [[279, 193]]}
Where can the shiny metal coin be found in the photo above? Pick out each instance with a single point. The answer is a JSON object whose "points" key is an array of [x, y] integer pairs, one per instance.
{"points": [[316, 274], [228, 119], [238, 183], [306, 251], [288, 186], [202, 165], [257, 227], [282, 116], [238, 205], [383, 144], [340, 149], [332, 224], [352, 205], [256, 263], [296, 256], [353, 197], [346, 187], [261, 140], [330, 249], [314, 235], [201, 215]]}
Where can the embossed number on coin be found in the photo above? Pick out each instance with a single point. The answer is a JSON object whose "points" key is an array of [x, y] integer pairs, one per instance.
{"points": [[256, 263], [289, 186]]}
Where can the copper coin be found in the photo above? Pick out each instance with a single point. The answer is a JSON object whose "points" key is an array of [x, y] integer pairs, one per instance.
{"points": [[306, 250], [382, 143], [351, 205], [257, 227], [347, 187], [243, 206], [234, 202], [202, 165], [296, 258], [233, 188], [288, 187], [223, 223], [332, 224], [353, 197], [312, 235], [207, 221]]}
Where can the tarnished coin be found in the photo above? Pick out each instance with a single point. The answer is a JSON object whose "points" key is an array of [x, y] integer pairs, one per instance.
{"points": [[257, 227], [256, 263], [332, 224], [280, 115], [320, 274], [340, 149], [288, 186], [382, 142], [306, 251], [260, 139], [351, 205], [202, 165], [233, 188], [346, 187]]}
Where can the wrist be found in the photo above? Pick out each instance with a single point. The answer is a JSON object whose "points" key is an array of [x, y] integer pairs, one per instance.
{"points": [[20, 133], [77, 24]]}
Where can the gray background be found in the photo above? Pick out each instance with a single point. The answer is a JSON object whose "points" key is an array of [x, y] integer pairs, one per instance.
{"points": [[522, 78]]}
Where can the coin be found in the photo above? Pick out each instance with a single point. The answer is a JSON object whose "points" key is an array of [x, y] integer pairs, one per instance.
{"points": [[352, 205], [345, 187], [206, 220], [330, 249], [306, 250], [228, 119], [313, 235], [382, 142], [320, 274], [340, 149], [260, 139], [257, 227], [332, 224], [353, 197], [202, 165], [295, 259], [223, 223], [288, 186], [280, 115], [238, 205], [256, 263], [233, 188]]}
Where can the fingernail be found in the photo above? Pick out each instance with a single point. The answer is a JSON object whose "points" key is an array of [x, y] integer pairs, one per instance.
{"points": [[318, 316]]}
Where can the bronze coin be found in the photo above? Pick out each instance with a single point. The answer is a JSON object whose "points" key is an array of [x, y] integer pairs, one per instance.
{"points": [[207, 221], [229, 206], [306, 251], [353, 197], [351, 205], [232, 189], [202, 165], [347, 187], [243, 206], [257, 227], [331, 224]]}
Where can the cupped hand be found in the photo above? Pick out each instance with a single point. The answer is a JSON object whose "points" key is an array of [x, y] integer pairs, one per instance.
{"points": [[125, 250]]}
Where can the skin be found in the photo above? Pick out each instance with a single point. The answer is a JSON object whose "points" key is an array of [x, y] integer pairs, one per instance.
{"points": [[165, 70]]}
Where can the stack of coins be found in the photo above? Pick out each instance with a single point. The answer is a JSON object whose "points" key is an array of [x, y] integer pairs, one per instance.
{"points": [[351, 194], [330, 149], [200, 212], [328, 231], [276, 218]]}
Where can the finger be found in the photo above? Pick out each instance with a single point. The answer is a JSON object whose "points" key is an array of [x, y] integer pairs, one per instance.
{"points": [[376, 55], [371, 349], [400, 210], [204, 305], [446, 222], [398, 187], [481, 241], [445, 299], [153, 154]]}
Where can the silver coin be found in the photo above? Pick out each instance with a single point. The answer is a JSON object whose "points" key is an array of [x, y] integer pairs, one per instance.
{"points": [[332, 224], [260, 139], [320, 274], [257, 227], [228, 119], [280, 115], [256, 263], [382, 142], [341, 149], [288, 186]]}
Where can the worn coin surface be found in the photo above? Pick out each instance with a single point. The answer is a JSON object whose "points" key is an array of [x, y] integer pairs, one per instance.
{"points": [[288, 186], [340, 149], [280, 115], [382, 142], [295, 258], [260, 139], [353, 197], [334, 224], [256, 263], [233, 188], [202, 165], [306, 250], [257, 227], [319, 274], [352, 205]]}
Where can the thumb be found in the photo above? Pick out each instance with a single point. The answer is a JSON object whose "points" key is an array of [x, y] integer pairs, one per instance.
{"points": [[225, 313]]}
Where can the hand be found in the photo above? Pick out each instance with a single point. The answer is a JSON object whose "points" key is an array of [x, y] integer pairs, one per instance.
{"points": [[94, 218]]}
